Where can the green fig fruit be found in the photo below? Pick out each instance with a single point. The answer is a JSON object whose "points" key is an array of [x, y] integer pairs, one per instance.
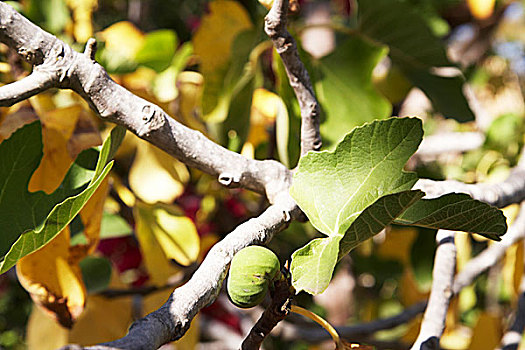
{"points": [[252, 270]]}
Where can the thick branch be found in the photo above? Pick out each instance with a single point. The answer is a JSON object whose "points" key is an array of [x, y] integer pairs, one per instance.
{"points": [[500, 194], [284, 43], [450, 142], [173, 319], [433, 323], [67, 68]]}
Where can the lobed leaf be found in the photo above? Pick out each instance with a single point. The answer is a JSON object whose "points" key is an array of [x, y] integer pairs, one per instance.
{"points": [[456, 211]]}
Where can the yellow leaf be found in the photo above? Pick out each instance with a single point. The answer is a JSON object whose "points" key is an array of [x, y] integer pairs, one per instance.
{"points": [[52, 282], [105, 319], [513, 269], [16, 117], [140, 79], [398, 244], [457, 338], [91, 216], [206, 243], [155, 176], [62, 120], [177, 236], [266, 3], [157, 264], [408, 289], [124, 38], [82, 15], [481, 9], [487, 333], [43, 332], [463, 248], [467, 298], [248, 150], [190, 86], [213, 40], [71, 286], [191, 337], [412, 332], [55, 162], [57, 127], [123, 192], [85, 135], [266, 106], [42, 103]]}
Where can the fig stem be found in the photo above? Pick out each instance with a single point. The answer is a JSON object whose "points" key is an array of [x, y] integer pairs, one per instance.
{"points": [[321, 321]]}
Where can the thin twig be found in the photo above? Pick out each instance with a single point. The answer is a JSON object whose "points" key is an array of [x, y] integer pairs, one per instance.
{"points": [[512, 337], [274, 313], [284, 43]]}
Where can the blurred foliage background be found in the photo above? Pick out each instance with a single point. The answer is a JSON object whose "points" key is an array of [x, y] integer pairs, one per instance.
{"points": [[458, 65]]}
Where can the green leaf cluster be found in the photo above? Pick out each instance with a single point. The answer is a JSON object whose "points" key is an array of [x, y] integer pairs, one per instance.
{"points": [[355, 191]]}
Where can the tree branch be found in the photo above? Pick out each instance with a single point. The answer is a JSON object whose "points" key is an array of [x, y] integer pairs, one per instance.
{"points": [[284, 43], [500, 194], [31, 85], [433, 323], [278, 309], [173, 319], [57, 64], [473, 269], [512, 337]]}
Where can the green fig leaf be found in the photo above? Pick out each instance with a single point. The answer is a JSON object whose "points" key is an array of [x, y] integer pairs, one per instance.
{"points": [[29, 220]]}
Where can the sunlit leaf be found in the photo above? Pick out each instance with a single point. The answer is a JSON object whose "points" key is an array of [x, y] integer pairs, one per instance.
{"points": [[214, 44], [58, 126], [346, 91], [157, 264], [365, 180], [487, 332], [333, 188], [157, 50], [269, 109], [177, 236], [481, 9], [82, 17], [214, 38], [52, 282], [415, 50], [155, 176], [122, 42], [352, 193]]}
